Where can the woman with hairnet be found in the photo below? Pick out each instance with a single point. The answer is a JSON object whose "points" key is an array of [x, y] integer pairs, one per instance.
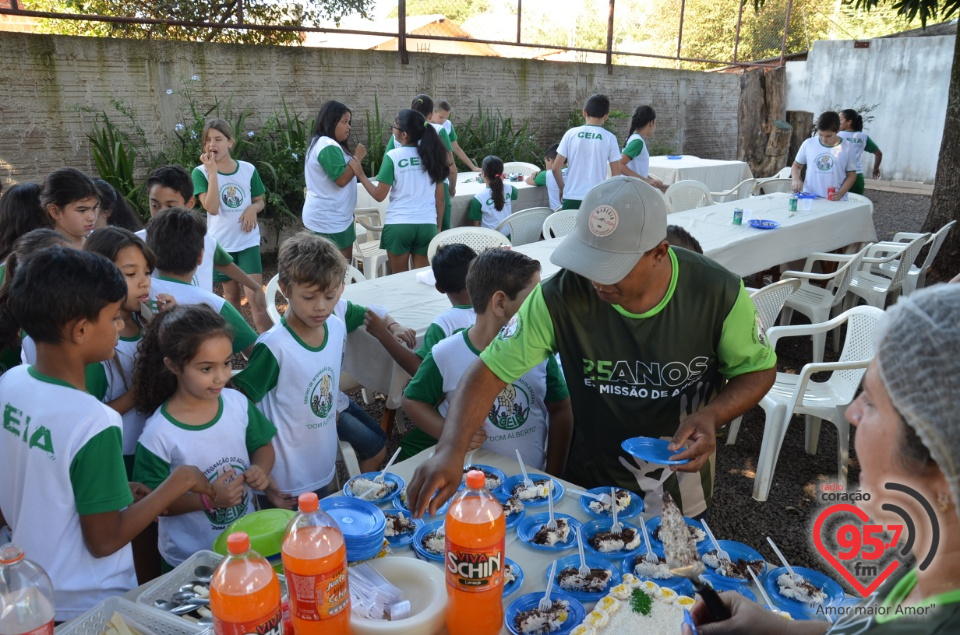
{"points": [[907, 433]]}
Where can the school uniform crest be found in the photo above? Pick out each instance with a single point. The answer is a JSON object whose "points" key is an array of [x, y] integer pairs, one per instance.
{"points": [[511, 409], [825, 162], [321, 396], [231, 196]]}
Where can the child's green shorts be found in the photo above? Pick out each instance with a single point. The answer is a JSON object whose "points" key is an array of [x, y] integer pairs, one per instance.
{"points": [[405, 238], [248, 260]]}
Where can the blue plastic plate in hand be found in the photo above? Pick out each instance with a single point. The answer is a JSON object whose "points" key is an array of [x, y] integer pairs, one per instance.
{"points": [[651, 450], [757, 223]]}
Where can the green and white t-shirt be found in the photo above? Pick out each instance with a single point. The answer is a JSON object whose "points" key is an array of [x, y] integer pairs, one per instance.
{"points": [[328, 208], [860, 142], [114, 377], [213, 256], [451, 131], [636, 149], [483, 209], [228, 441], [518, 418], [454, 319], [637, 375], [545, 178], [61, 458], [183, 293], [826, 166], [412, 194], [589, 151], [296, 386], [237, 191]]}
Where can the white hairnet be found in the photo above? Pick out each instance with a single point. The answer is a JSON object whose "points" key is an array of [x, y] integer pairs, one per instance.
{"points": [[918, 354]]}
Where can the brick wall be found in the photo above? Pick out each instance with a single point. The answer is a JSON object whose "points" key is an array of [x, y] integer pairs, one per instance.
{"points": [[53, 81]]}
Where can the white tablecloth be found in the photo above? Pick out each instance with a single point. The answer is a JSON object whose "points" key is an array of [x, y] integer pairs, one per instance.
{"points": [[716, 175], [744, 250]]}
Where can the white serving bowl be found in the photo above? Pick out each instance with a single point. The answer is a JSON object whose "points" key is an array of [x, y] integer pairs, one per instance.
{"points": [[423, 584]]}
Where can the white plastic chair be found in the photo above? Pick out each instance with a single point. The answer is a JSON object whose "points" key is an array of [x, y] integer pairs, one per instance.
{"points": [[477, 238], [876, 288], [799, 394], [368, 254], [785, 173], [688, 194], [819, 303], [738, 192], [526, 169], [560, 223], [769, 302], [767, 186], [917, 276], [525, 225]]}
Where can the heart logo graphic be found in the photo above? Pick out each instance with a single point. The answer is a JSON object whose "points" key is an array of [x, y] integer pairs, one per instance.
{"points": [[854, 536]]}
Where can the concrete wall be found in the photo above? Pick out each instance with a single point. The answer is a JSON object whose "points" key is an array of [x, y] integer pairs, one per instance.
{"points": [[48, 81], [907, 77]]}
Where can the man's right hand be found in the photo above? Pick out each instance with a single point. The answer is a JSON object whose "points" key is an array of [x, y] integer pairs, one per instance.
{"points": [[444, 472]]}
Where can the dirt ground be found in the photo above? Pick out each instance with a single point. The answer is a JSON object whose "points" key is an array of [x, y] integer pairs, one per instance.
{"points": [[788, 515]]}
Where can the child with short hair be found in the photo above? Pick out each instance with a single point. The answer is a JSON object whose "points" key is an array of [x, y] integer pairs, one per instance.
{"points": [[176, 237], [494, 204], [635, 157], [72, 200], [545, 178], [589, 149], [180, 377], [532, 414], [830, 161], [65, 492], [851, 130], [231, 192], [171, 186], [441, 115], [294, 372]]}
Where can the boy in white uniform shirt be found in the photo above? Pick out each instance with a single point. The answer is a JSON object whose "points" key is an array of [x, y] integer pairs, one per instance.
{"points": [[589, 149], [532, 414], [545, 178], [830, 161]]}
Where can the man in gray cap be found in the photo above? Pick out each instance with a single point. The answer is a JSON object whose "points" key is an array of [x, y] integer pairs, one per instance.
{"points": [[654, 341]]}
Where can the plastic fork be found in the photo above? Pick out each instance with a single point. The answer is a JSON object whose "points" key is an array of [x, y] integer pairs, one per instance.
{"points": [[721, 552], [584, 569], [380, 477], [523, 470], [616, 528], [552, 523], [793, 574], [650, 556], [604, 499], [763, 593], [545, 602]]}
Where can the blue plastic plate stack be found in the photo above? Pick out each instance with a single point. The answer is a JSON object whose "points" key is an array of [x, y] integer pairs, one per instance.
{"points": [[362, 524]]}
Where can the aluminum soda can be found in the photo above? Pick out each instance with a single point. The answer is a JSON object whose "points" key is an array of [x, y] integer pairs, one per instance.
{"points": [[830, 192], [793, 203], [737, 216]]}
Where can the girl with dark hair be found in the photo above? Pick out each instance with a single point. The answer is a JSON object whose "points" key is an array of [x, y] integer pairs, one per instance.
{"points": [[72, 200], [851, 130], [331, 182], [635, 157], [490, 207], [830, 162], [413, 174], [180, 378], [20, 212], [114, 209]]}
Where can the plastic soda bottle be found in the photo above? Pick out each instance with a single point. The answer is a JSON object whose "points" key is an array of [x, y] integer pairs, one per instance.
{"points": [[315, 563], [26, 595], [474, 559], [245, 592]]}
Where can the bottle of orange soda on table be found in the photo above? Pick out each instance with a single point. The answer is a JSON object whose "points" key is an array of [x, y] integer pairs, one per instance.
{"points": [[315, 563], [245, 592], [474, 558]]}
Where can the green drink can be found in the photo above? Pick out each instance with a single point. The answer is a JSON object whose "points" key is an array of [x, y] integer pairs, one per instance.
{"points": [[738, 216], [793, 203]]}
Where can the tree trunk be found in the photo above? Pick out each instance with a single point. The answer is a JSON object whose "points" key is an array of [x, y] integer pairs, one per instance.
{"points": [[761, 105], [945, 205], [802, 122], [777, 146]]}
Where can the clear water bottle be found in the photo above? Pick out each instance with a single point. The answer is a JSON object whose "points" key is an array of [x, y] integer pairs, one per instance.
{"points": [[26, 595]]}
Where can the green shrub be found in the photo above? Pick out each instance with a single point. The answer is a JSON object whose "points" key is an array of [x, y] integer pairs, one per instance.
{"points": [[489, 133]]}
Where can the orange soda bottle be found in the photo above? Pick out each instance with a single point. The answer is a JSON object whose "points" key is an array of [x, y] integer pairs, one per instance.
{"points": [[245, 592], [315, 563], [474, 558]]}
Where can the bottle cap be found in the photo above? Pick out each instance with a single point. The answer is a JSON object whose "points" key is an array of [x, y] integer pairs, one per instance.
{"points": [[476, 479], [308, 502], [238, 543], [10, 553]]}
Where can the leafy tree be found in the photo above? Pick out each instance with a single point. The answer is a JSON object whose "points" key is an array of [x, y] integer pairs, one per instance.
{"points": [[266, 12], [945, 204]]}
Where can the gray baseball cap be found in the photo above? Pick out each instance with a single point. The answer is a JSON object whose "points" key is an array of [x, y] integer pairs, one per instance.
{"points": [[619, 220]]}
